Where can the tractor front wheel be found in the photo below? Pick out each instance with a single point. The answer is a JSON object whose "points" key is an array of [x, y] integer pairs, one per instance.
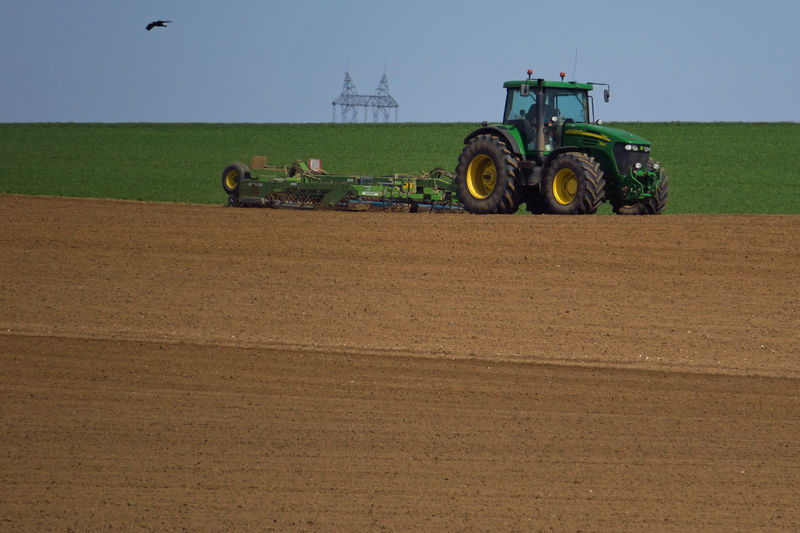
{"points": [[573, 185], [233, 175], [486, 176]]}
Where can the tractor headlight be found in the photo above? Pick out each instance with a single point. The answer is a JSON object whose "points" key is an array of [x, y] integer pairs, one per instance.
{"points": [[636, 148], [656, 166], [637, 166]]}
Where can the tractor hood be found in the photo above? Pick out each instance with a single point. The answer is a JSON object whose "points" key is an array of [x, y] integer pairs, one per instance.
{"points": [[604, 133]]}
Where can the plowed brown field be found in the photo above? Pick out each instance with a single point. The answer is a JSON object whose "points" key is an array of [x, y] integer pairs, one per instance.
{"points": [[181, 367]]}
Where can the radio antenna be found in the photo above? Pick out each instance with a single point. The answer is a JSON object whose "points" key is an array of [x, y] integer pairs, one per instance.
{"points": [[575, 65]]}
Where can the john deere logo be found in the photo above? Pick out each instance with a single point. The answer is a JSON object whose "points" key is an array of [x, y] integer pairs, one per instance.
{"points": [[587, 134]]}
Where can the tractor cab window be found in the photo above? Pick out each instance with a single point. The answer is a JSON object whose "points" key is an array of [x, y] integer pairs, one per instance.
{"points": [[567, 105], [518, 107], [521, 112]]}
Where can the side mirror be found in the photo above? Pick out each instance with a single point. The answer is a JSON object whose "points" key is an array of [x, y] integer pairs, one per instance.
{"points": [[606, 95], [524, 89]]}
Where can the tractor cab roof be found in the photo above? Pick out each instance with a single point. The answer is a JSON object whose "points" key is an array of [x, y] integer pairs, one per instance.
{"points": [[545, 83]]}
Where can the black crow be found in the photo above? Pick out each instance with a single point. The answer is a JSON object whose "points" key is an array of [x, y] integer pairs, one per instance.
{"points": [[158, 24]]}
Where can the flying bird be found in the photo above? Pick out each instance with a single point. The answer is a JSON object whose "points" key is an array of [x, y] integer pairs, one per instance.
{"points": [[158, 24]]}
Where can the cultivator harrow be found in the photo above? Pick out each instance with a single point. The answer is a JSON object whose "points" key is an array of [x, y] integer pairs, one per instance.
{"points": [[304, 185]]}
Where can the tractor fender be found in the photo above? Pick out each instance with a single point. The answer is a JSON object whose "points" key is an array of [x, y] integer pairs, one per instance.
{"points": [[555, 153], [505, 135]]}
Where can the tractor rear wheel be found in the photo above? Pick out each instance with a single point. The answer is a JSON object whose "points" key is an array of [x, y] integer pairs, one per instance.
{"points": [[574, 185], [486, 176], [233, 175], [649, 206]]}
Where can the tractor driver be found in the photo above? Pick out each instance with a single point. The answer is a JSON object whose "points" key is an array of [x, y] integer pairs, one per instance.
{"points": [[550, 108], [550, 111]]}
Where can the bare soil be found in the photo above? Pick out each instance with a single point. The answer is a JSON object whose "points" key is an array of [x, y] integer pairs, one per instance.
{"points": [[202, 368]]}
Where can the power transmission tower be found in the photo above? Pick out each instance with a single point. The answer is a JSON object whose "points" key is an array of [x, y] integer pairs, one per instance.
{"points": [[384, 102], [349, 101]]}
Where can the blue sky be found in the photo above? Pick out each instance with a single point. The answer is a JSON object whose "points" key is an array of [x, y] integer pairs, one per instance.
{"points": [[267, 61]]}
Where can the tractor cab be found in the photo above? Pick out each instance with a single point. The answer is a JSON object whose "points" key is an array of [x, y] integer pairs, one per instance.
{"points": [[557, 103]]}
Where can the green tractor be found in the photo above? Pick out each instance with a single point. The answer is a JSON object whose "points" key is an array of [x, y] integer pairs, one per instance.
{"points": [[550, 154]]}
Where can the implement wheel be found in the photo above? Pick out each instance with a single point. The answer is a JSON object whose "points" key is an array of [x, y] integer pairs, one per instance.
{"points": [[486, 176], [648, 206], [232, 176], [574, 185]]}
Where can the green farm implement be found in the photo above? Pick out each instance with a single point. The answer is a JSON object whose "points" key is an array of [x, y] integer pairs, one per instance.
{"points": [[304, 185]]}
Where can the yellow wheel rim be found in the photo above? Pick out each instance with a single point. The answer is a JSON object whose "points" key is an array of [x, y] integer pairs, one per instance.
{"points": [[231, 179], [481, 176], [565, 186]]}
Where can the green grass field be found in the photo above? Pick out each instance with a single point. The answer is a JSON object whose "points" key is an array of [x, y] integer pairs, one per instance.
{"points": [[730, 168]]}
